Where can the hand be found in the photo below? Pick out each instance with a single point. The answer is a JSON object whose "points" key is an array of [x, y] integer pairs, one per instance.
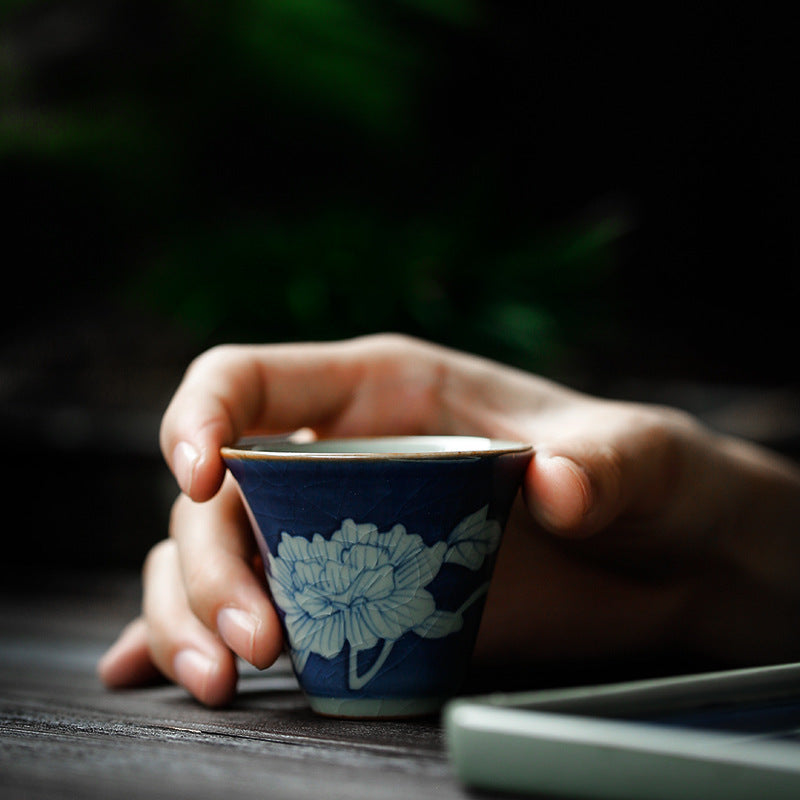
{"points": [[637, 529]]}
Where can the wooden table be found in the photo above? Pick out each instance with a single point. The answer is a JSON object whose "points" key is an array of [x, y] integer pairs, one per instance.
{"points": [[62, 735]]}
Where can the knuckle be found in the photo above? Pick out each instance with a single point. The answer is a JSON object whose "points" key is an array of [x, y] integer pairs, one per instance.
{"points": [[663, 429], [179, 506], [214, 358], [156, 557], [205, 582], [390, 343], [659, 425], [206, 369], [611, 463], [661, 433]]}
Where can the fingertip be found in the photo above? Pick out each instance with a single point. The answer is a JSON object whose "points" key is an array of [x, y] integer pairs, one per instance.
{"points": [[127, 662], [559, 494], [211, 680], [185, 458], [199, 471], [208, 476], [256, 638]]}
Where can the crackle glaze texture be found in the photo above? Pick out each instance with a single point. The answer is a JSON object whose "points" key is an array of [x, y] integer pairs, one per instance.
{"points": [[379, 568]]}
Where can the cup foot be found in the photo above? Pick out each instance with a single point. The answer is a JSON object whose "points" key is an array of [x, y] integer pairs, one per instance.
{"points": [[375, 708]]}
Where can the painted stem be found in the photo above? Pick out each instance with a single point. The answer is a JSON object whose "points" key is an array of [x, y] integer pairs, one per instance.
{"points": [[357, 681], [474, 597], [360, 681]]}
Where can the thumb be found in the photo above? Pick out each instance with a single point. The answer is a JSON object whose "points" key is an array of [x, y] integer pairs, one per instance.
{"points": [[578, 486]]}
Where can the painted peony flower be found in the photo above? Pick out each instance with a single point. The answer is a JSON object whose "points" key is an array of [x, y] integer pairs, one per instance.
{"points": [[363, 586]]}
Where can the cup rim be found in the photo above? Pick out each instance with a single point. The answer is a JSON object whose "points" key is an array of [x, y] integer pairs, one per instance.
{"points": [[371, 448]]}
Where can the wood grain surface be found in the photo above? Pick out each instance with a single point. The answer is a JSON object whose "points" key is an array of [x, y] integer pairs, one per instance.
{"points": [[63, 735]]}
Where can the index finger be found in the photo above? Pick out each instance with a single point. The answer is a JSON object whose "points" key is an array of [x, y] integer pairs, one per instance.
{"points": [[235, 389]]}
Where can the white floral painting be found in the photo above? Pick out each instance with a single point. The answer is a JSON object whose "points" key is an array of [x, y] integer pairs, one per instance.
{"points": [[364, 586]]}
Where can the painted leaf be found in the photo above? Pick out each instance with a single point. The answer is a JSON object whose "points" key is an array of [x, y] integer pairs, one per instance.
{"points": [[474, 538], [439, 624]]}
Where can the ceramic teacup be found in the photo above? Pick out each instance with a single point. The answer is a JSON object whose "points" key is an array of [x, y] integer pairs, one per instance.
{"points": [[378, 554]]}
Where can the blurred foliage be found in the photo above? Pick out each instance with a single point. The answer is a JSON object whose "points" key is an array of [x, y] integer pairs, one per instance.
{"points": [[294, 169]]}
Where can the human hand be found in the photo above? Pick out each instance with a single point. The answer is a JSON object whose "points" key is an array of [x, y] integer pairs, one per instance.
{"points": [[639, 529]]}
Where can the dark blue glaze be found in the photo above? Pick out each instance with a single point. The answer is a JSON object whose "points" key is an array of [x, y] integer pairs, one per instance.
{"points": [[297, 497]]}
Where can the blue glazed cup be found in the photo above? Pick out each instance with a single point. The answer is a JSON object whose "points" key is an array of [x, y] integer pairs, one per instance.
{"points": [[378, 554]]}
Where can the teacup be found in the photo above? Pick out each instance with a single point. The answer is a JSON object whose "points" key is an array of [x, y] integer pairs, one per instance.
{"points": [[378, 554]]}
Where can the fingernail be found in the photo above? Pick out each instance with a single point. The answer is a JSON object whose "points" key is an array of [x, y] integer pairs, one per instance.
{"points": [[184, 460], [111, 663], [579, 480], [193, 670], [106, 665], [238, 630], [565, 498]]}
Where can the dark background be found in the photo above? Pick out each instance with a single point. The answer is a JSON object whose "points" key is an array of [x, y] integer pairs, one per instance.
{"points": [[605, 197]]}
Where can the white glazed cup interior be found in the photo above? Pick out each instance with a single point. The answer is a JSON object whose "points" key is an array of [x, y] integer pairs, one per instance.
{"points": [[373, 447]]}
